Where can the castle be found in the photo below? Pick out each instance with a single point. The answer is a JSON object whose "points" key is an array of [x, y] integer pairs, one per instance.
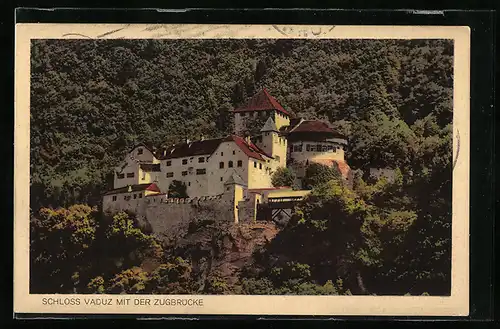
{"points": [[235, 170]]}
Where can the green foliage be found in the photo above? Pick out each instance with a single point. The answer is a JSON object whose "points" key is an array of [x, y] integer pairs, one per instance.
{"points": [[129, 281], [216, 285], [174, 277], [317, 174], [283, 177], [92, 100], [76, 249], [60, 241], [177, 189]]}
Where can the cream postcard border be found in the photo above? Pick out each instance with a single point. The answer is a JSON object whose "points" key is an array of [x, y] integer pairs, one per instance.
{"points": [[457, 304]]}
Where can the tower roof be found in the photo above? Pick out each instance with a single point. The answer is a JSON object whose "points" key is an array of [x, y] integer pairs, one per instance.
{"points": [[235, 179], [262, 101], [269, 125]]}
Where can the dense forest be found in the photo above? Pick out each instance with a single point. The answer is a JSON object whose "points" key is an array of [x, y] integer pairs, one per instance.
{"points": [[91, 100]]}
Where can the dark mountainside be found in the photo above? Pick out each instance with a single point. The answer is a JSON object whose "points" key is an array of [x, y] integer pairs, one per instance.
{"points": [[92, 100]]}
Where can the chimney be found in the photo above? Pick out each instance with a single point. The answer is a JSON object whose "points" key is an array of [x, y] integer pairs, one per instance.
{"points": [[187, 141], [247, 139], [202, 137], [129, 188]]}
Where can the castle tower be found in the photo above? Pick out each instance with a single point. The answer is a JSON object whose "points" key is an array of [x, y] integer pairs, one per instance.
{"points": [[259, 106], [233, 192], [273, 143]]}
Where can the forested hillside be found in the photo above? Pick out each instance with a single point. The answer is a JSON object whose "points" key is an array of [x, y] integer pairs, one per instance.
{"points": [[91, 100]]}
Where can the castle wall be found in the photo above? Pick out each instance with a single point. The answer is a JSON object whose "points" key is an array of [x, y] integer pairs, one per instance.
{"points": [[259, 173], [129, 201], [170, 219]]}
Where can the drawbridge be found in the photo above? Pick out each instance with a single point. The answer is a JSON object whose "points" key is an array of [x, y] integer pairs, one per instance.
{"points": [[279, 205]]}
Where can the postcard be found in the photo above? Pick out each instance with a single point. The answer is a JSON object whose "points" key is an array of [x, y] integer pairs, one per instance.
{"points": [[184, 169]]}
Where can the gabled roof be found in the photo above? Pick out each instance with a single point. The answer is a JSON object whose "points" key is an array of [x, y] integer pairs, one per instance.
{"points": [[311, 126], [250, 149], [208, 147], [194, 148], [150, 149], [269, 125], [262, 101], [135, 188], [150, 167], [235, 179]]}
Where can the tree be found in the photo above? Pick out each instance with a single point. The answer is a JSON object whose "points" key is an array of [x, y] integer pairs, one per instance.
{"points": [[177, 189], [61, 241], [283, 177], [317, 174]]}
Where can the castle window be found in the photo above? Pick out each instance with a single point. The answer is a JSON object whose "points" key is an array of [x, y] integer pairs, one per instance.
{"points": [[221, 165], [240, 163], [169, 163], [308, 148], [243, 114], [184, 161], [140, 151], [189, 183], [201, 171], [140, 195], [230, 164], [135, 196], [221, 179], [255, 164], [120, 176], [260, 165], [170, 174], [221, 154], [330, 148], [184, 173], [234, 152], [201, 160], [324, 148], [130, 175], [127, 197], [114, 197], [318, 148]]}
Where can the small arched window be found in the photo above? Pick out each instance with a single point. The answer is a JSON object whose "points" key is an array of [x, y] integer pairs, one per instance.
{"points": [[221, 165], [240, 163], [230, 164]]}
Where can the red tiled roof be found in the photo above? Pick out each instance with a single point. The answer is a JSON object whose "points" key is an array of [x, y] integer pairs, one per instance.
{"points": [[135, 188], [261, 101], [250, 149]]}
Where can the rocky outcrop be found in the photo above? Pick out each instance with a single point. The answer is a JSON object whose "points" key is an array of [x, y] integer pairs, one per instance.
{"points": [[223, 251]]}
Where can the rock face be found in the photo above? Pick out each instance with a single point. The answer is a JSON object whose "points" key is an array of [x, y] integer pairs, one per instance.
{"points": [[223, 251]]}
